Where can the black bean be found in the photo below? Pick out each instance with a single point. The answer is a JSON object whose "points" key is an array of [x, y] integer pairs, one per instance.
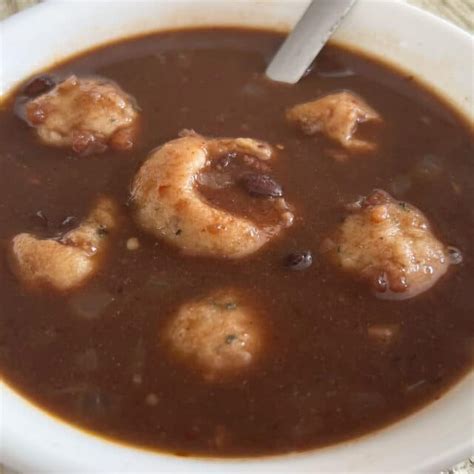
{"points": [[455, 255], [262, 185], [299, 260], [380, 283], [39, 85], [225, 160]]}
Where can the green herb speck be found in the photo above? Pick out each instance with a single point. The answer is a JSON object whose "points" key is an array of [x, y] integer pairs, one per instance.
{"points": [[102, 231], [229, 306], [229, 339]]}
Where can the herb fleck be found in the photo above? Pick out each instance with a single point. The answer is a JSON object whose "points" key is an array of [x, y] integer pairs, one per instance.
{"points": [[102, 231], [229, 339], [229, 306]]}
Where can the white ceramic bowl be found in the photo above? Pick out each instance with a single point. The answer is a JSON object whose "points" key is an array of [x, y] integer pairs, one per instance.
{"points": [[441, 55]]}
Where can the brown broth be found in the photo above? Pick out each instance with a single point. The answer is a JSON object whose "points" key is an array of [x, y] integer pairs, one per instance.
{"points": [[321, 379]]}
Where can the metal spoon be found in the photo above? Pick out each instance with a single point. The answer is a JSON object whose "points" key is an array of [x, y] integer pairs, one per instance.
{"points": [[310, 34]]}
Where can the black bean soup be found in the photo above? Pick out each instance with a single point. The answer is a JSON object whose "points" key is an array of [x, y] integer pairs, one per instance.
{"points": [[334, 360]]}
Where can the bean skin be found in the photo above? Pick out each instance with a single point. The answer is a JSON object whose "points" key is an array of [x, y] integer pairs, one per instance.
{"points": [[299, 260], [39, 85], [262, 185]]}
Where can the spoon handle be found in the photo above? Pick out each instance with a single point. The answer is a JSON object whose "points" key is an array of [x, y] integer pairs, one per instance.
{"points": [[307, 38]]}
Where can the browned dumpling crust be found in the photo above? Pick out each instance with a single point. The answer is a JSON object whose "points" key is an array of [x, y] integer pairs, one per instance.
{"points": [[219, 335], [68, 261], [389, 244], [88, 115]]}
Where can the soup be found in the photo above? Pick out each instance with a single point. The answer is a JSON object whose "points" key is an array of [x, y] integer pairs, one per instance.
{"points": [[201, 261]]}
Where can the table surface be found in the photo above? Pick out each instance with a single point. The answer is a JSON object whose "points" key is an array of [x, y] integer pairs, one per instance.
{"points": [[459, 12]]}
